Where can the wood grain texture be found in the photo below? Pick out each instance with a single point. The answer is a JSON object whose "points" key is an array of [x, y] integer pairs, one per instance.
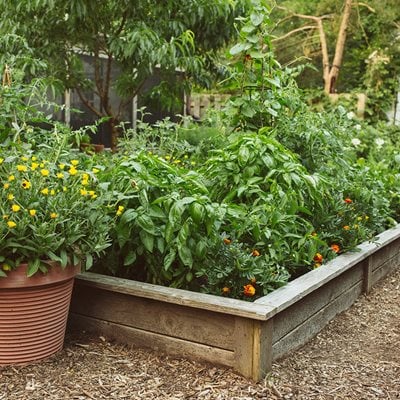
{"points": [[175, 296], [168, 319], [312, 325], [166, 344], [295, 315]]}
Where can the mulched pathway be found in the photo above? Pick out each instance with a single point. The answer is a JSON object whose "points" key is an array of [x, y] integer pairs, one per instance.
{"points": [[357, 356]]}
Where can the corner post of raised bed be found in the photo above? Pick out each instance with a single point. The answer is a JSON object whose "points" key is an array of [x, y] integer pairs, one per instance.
{"points": [[253, 347], [367, 280]]}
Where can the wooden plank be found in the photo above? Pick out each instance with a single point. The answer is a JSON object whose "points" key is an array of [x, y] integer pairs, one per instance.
{"points": [[304, 332], [385, 268], [367, 275], [127, 335], [295, 315], [384, 253], [175, 296], [174, 320], [253, 350]]}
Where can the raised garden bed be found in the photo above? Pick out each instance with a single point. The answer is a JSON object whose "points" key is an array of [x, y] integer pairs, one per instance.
{"points": [[242, 335]]}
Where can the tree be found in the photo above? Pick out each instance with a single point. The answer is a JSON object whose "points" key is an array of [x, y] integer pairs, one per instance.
{"points": [[134, 35], [349, 29]]}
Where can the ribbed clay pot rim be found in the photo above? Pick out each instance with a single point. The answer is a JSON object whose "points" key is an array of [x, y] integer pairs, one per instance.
{"points": [[17, 278]]}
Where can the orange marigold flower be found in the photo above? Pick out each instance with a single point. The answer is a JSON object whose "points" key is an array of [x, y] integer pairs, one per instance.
{"points": [[226, 290], [249, 290], [318, 258], [335, 248], [346, 228], [227, 241], [348, 200], [255, 253]]}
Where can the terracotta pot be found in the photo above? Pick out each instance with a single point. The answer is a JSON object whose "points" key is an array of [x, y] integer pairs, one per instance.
{"points": [[33, 313]]}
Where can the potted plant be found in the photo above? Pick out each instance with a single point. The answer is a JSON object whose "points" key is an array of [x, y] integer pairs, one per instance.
{"points": [[52, 223]]}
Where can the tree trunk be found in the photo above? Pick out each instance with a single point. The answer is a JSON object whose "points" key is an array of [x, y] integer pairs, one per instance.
{"points": [[114, 134], [331, 79]]}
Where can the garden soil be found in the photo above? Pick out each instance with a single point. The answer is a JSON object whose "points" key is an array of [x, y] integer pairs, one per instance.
{"points": [[357, 356]]}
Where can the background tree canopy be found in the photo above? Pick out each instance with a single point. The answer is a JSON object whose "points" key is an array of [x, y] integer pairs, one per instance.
{"points": [[136, 35], [372, 50]]}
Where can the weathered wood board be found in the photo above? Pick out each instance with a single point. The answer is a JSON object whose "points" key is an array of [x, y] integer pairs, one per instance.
{"points": [[238, 334]]}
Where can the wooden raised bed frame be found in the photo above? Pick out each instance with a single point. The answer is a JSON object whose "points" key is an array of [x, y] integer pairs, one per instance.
{"points": [[245, 336]]}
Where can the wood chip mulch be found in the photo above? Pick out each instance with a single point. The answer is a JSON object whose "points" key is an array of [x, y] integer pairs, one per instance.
{"points": [[357, 356]]}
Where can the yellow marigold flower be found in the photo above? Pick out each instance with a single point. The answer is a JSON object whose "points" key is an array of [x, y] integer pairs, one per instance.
{"points": [[22, 168], [45, 172], [1, 160], [52, 192], [11, 224], [5, 217], [356, 226], [95, 170], [6, 267], [11, 178], [32, 212], [41, 165], [45, 191], [249, 290], [34, 166], [92, 194], [85, 177], [64, 189], [6, 185], [359, 218], [23, 158], [177, 161], [34, 158], [225, 290], [366, 218], [84, 182], [83, 192], [60, 175], [26, 184], [61, 166], [53, 215], [74, 162], [73, 171], [120, 210], [167, 157], [10, 196], [317, 265], [15, 207]]}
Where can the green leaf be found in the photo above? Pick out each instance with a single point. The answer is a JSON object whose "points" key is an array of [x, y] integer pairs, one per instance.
{"points": [[146, 223], [147, 240], [185, 255], [89, 262], [169, 259], [196, 211], [64, 258], [130, 258], [243, 155], [33, 267], [256, 19]]}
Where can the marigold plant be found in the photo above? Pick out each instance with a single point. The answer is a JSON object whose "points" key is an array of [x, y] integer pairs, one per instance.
{"points": [[52, 208]]}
